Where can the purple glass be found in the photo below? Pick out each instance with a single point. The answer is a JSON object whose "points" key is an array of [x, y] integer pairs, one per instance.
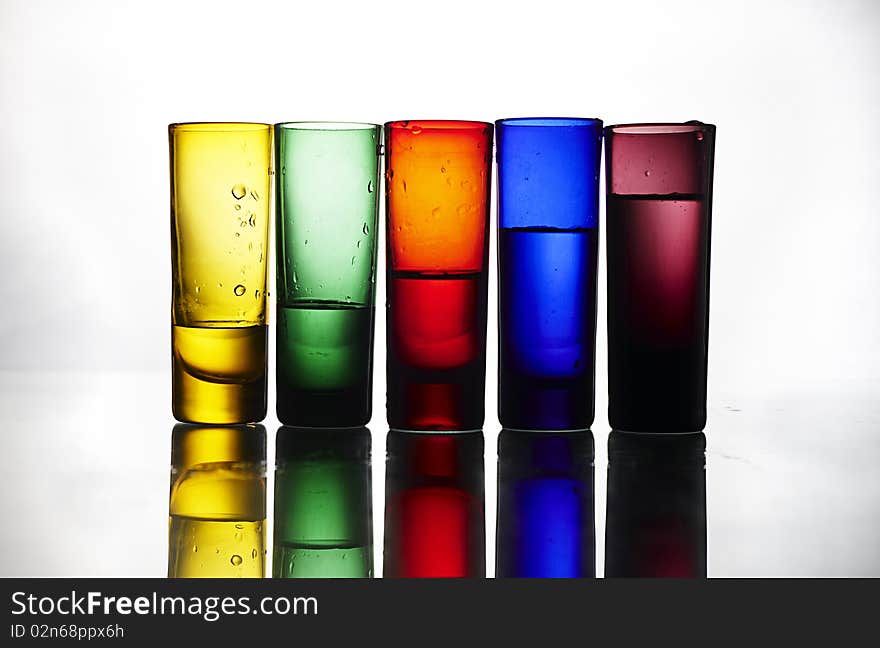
{"points": [[659, 216]]}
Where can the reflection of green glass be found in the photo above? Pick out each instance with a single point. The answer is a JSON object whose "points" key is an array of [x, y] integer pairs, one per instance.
{"points": [[327, 215], [323, 524]]}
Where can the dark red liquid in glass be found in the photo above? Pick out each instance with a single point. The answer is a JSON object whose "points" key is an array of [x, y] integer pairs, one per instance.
{"points": [[658, 291]]}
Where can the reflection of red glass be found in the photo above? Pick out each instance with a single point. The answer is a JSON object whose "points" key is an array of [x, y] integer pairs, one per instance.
{"points": [[437, 184], [433, 533], [434, 519]]}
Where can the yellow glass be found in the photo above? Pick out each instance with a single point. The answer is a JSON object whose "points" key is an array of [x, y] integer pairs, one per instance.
{"points": [[220, 202], [217, 505]]}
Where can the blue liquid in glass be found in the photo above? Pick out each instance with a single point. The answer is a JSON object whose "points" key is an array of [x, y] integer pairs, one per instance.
{"points": [[547, 322]]}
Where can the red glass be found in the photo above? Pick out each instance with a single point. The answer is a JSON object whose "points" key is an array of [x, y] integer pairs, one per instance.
{"points": [[437, 193], [659, 214], [434, 506]]}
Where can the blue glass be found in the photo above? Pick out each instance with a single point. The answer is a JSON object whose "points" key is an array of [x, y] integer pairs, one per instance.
{"points": [[546, 521], [548, 222]]}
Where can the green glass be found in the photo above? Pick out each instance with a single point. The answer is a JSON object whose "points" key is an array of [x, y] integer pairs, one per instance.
{"points": [[327, 217], [323, 504]]}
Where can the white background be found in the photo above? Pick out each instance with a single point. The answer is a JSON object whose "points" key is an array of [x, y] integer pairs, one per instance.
{"points": [[88, 88]]}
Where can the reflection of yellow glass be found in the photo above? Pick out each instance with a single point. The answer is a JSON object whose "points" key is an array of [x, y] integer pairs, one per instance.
{"points": [[219, 247], [217, 506]]}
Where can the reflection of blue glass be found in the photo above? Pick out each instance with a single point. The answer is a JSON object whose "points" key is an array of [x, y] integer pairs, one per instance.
{"points": [[548, 203], [546, 526]]}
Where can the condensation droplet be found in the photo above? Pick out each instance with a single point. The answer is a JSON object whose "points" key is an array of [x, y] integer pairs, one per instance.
{"points": [[416, 130], [254, 554], [237, 207], [366, 230], [353, 260], [195, 548], [370, 187], [647, 172], [239, 191], [239, 290], [699, 136], [254, 194], [252, 220], [256, 294], [219, 284], [358, 245], [198, 289], [443, 169], [235, 560], [404, 186]]}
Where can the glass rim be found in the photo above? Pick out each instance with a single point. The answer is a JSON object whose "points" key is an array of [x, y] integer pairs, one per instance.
{"points": [[549, 122], [436, 125], [659, 128], [218, 127], [326, 126]]}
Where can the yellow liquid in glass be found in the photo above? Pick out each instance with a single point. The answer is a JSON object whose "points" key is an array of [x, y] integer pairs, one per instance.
{"points": [[219, 374]]}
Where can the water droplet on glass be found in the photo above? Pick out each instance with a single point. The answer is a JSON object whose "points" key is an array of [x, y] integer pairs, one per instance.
{"points": [[370, 186], [239, 290], [254, 194], [647, 172], [256, 294], [254, 554], [237, 207], [195, 548], [358, 245], [443, 169], [699, 136], [239, 191], [306, 242], [353, 260], [237, 235], [235, 560], [366, 230], [404, 186], [416, 130], [198, 289], [435, 211], [252, 220]]}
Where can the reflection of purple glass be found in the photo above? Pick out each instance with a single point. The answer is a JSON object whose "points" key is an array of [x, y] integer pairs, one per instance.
{"points": [[659, 212]]}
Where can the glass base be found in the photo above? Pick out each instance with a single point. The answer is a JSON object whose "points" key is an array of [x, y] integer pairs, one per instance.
{"points": [[200, 401]]}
